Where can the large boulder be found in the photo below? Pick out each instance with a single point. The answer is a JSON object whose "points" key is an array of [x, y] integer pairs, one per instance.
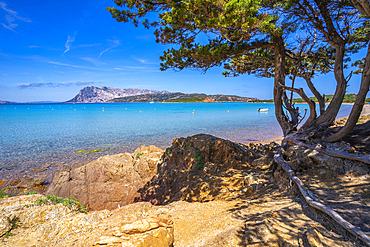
{"points": [[109, 182]]}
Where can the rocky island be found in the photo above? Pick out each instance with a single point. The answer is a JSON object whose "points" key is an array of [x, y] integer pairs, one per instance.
{"points": [[102, 94]]}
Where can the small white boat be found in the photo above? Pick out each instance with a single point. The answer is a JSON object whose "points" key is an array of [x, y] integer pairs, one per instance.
{"points": [[263, 109]]}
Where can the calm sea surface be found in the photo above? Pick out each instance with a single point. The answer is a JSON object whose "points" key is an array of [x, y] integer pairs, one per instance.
{"points": [[38, 138]]}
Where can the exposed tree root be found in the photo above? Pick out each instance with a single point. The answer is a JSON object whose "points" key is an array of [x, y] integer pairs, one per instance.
{"points": [[317, 205], [364, 158]]}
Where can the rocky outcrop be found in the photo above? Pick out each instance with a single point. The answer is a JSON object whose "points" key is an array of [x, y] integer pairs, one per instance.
{"points": [[24, 222], [109, 182], [204, 168], [93, 94]]}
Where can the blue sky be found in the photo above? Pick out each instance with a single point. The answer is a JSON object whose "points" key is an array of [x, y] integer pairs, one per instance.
{"points": [[49, 50]]}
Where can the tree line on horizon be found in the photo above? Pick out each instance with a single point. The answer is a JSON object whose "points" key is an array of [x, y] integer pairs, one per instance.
{"points": [[348, 98]]}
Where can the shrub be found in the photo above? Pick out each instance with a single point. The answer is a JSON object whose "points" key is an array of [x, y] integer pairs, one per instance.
{"points": [[3, 194], [68, 202], [199, 160], [31, 193]]}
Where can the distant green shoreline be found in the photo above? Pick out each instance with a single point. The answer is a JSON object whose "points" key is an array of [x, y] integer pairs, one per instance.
{"points": [[348, 98]]}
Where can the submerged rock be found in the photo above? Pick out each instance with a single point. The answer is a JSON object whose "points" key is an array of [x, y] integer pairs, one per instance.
{"points": [[29, 182], [109, 182]]}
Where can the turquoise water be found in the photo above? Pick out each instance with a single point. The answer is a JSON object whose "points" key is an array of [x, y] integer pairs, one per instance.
{"points": [[34, 136]]}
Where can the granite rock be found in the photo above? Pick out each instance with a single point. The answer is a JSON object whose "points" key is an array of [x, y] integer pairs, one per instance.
{"points": [[109, 182], [59, 225]]}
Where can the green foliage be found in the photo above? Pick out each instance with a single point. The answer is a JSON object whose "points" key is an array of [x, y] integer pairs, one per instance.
{"points": [[264, 101], [168, 152], [31, 193], [2, 193], [13, 222], [199, 160], [348, 98], [229, 26], [186, 148], [187, 100], [138, 155], [239, 33], [68, 202]]}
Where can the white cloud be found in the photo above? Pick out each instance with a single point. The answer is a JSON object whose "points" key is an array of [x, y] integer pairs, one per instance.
{"points": [[114, 43], [10, 17], [55, 84], [70, 40]]}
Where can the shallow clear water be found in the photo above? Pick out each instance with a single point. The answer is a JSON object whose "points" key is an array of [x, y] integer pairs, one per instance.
{"points": [[34, 135]]}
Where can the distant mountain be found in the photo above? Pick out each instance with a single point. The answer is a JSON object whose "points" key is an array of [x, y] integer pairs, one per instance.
{"points": [[102, 94], [6, 102], [181, 97]]}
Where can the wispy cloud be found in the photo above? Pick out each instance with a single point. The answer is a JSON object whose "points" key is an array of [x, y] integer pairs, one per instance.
{"points": [[77, 66], [92, 60], [114, 43], [137, 69], [86, 45], [34, 46], [69, 42], [68, 65], [146, 37], [143, 61], [51, 84], [130, 68], [10, 17]]}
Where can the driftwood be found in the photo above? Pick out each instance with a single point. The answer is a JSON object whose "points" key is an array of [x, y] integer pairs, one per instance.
{"points": [[319, 206]]}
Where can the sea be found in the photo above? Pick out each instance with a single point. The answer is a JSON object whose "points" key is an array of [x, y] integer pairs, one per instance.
{"points": [[37, 139]]}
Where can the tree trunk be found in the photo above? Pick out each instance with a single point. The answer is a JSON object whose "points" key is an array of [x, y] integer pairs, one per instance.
{"points": [[292, 110], [318, 96], [279, 49], [363, 6], [328, 117], [359, 103]]}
